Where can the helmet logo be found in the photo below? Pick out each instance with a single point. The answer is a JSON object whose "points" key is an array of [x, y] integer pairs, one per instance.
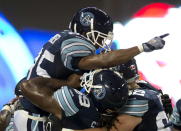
{"points": [[99, 93], [85, 18]]}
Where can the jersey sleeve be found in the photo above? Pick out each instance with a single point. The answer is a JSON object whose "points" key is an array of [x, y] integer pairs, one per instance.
{"points": [[135, 107], [71, 100], [175, 117], [73, 49]]}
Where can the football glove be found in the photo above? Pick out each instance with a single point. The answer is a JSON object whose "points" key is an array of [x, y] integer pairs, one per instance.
{"points": [[154, 44], [167, 104]]}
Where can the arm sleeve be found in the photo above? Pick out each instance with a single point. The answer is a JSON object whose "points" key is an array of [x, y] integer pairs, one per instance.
{"points": [[73, 50], [135, 107], [73, 101], [175, 117], [67, 100]]}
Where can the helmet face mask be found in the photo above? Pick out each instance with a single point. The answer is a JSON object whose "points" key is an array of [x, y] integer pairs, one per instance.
{"points": [[100, 39], [87, 81], [95, 25]]}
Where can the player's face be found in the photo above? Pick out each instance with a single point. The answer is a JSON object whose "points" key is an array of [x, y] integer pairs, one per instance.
{"points": [[100, 40]]}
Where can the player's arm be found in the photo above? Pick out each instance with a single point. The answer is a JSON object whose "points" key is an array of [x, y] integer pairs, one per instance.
{"points": [[121, 56], [125, 123], [40, 92], [108, 59]]}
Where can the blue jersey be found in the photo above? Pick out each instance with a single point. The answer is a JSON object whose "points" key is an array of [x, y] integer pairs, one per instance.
{"points": [[79, 110], [146, 103], [59, 58]]}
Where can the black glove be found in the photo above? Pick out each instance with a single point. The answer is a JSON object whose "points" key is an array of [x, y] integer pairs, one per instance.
{"points": [[154, 44], [176, 115], [167, 104]]}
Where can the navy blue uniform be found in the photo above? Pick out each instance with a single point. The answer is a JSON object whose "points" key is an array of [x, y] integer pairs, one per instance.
{"points": [[79, 110], [59, 58], [146, 103], [176, 115]]}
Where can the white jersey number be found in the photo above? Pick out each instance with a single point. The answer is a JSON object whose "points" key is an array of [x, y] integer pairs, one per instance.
{"points": [[84, 101]]}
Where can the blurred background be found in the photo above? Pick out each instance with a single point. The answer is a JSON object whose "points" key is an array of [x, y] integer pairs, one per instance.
{"points": [[26, 25]]}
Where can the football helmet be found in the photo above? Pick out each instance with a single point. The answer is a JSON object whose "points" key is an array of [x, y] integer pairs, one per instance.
{"points": [[94, 24], [107, 88], [129, 70]]}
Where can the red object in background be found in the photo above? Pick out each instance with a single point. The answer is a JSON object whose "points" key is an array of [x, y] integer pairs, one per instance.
{"points": [[161, 63], [153, 10]]}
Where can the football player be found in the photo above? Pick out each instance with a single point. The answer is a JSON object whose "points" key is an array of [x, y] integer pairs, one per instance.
{"points": [[6, 113], [73, 51], [144, 101], [76, 110]]}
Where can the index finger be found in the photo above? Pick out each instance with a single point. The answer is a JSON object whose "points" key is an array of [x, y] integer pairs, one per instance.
{"points": [[165, 35]]}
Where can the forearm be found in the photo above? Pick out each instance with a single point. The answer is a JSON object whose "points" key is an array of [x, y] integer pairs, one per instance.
{"points": [[41, 85], [125, 123], [35, 92], [51, 83], [108, 59], [40, 92]]}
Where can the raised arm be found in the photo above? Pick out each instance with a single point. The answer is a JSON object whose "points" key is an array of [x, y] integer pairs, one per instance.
{"points": [[113, 58], [108, 59]]}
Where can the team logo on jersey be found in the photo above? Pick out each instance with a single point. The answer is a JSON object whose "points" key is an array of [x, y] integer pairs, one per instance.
{"points": [[99, 93], [85, 18]]}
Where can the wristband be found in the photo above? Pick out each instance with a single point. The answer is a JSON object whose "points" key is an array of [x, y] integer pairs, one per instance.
{"points": [[140, 47]]}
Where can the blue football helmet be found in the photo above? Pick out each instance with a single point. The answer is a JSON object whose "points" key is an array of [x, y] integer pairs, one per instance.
{"points": [[94, 24], [107, 88]]}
